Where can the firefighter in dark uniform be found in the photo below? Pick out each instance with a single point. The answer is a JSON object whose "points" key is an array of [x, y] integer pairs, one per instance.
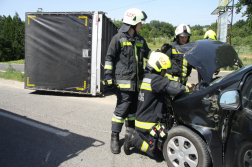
{"points": [[180, 69], [124, 71], [149, 132]]}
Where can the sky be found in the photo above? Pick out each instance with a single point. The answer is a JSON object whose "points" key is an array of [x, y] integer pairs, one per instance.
{"points": [[175, 12]]}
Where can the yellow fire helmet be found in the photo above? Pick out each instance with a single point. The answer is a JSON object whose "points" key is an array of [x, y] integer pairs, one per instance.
{"points": [[159, 61], [134, 16], [210, 34]]}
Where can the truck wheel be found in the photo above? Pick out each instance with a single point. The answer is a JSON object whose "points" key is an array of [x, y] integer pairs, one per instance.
{"points": [[184, 147], [244, 155]]}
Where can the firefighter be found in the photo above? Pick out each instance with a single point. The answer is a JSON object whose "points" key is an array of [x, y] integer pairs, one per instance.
{"points": [[149, 133], [124, 71], [180, 69], [211, 35]]}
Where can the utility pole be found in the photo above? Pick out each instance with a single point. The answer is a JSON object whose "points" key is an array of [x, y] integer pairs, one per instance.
{"points": [[231, 22]]}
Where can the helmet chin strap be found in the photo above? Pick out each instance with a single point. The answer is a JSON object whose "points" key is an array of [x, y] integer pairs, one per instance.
{"points": [[134, 28], [177, 40]]}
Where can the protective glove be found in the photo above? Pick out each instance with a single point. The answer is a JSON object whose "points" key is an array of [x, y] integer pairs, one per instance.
{"points": [[109, 83], [165, 47]]}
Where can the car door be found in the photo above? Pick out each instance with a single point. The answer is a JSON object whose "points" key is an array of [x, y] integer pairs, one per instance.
{"points": [[238, 149]]}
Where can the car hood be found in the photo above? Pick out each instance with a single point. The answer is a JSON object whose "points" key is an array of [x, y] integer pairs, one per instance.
{"points": [[198, 107], [207, 56]]}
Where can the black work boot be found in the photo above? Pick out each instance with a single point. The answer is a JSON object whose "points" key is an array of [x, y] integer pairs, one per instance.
{"points": [[114, 143], [127, 129], [128, 140]]}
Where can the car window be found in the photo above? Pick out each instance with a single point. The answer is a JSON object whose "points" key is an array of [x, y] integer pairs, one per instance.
{"points": [[226, 76], [230, 75], [247, 93]]}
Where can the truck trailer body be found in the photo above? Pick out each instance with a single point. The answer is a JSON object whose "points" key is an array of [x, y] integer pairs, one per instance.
{"points": [[65, 52]]}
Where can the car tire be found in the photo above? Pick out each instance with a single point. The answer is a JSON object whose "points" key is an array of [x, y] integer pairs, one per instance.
{"points": [[244, 155], [184, 147]]}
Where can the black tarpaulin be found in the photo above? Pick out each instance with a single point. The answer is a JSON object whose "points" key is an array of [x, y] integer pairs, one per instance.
{"points": [[57, 51]]}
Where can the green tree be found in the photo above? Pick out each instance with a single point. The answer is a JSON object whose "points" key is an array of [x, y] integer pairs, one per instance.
{"points": [[197, 30], [248, 12], [213, 27], [167, 30], [194, 32], [154, 33], [118, 23], [242, 25], [7, 37], [197, 27], [144, 32], [2, 20], [18, 42], [239, 24], [147, 26], [12, 31], [156, 24]]}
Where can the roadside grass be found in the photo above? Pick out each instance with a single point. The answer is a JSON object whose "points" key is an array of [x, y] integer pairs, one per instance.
{"points": [[246, 59], [154, 47], [244, 52], [12, 74], [157, 43], [22, 61]]}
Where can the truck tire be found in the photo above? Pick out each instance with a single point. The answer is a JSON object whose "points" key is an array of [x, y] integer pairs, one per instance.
{"points": [[184, 147], [244, 155]]}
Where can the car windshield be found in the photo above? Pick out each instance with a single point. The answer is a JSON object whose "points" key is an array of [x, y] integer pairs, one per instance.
{"points": [[227, 76]]}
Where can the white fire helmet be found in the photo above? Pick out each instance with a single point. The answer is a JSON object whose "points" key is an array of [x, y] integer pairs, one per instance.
{"points": [[134, 16], [183, 30]]}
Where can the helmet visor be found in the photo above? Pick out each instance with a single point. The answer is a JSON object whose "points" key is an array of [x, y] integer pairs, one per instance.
{"points": [[145, 16], [184, 34]]}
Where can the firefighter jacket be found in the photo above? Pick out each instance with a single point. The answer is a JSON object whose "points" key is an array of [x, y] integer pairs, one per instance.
{"points": [[151, 106], [180, 69], [124, 60]]}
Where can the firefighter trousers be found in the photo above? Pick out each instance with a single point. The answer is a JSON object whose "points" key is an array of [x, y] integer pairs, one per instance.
{"points": [[125, 110], [144, 146]]}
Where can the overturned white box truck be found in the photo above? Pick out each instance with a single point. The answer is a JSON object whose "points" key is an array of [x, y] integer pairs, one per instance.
{"points": [[65, 51]]}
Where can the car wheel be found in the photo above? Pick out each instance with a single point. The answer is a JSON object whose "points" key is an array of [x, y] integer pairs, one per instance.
{"points": [[244, 155], [184, 147]]}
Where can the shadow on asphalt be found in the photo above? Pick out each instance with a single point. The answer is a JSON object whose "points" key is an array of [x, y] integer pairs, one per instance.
{"points": [[52, 93], [25, 145]]}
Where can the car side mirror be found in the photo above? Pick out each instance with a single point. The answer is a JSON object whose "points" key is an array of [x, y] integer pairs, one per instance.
{"points": [[230, 100]]}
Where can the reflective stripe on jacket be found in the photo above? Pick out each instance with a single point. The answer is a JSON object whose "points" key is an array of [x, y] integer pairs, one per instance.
{"points": [[124, 60], [150, 106], [180, 69]]}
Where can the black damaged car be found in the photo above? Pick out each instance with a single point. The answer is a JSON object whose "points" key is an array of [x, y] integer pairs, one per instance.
{"points": [[212, 126]]}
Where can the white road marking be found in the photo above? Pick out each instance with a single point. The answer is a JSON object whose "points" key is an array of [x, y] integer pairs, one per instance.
{"points": [[36, 125]]}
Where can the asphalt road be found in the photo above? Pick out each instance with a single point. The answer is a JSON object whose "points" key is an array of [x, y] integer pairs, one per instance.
{"points": [[55, 129], [18, 67]]}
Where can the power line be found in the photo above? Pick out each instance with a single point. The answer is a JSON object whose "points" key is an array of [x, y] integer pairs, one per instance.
{"points": [[130, 5]]}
